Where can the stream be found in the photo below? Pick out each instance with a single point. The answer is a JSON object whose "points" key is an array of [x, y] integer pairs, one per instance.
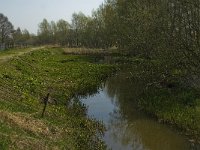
{"points": [[128, 128]]}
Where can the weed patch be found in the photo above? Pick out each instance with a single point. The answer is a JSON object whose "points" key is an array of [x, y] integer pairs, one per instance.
{"points": [[25, 80]]}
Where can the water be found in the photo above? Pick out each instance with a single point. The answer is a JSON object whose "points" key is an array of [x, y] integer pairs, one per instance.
{"points": [[128, 128]]}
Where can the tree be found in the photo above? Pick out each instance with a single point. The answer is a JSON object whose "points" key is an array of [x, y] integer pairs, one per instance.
{"points": [[109, 23], [6, 28], [79, 23], [17, 35], [63, 28], [44, 32]]}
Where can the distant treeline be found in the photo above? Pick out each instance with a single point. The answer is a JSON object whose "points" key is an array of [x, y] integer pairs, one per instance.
{"points": [[11, 38], [143, 26], [13, 45], [166, 29]]}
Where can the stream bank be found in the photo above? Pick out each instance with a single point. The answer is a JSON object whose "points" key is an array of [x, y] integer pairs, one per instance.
{"points": [[116, 105], [24, 82]]}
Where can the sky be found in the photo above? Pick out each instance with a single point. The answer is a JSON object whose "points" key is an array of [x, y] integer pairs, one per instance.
{"points": [[27, 14]]}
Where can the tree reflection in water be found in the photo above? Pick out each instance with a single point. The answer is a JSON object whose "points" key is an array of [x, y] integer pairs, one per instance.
{"points": [[127, 128]]}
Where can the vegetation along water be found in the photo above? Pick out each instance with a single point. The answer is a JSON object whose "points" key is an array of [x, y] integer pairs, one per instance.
{"points": [[26, 79], [127, 127], [44, 76]]}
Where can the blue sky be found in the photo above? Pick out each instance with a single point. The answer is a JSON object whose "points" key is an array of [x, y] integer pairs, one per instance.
{"points": [[29, 13]]}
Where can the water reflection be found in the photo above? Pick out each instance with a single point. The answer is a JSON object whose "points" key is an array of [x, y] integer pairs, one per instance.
{"points": [[127, 128]]}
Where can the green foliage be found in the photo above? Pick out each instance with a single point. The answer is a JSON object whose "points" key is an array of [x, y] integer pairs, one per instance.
{"points": [[174, 107], [166, 96], [27, 79], [6, 29]]}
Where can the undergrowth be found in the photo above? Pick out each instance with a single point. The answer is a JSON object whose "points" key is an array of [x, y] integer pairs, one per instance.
{"points": [[25, 80]]}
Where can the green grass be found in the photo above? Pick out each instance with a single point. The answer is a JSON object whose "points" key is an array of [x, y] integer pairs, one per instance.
{"points": [[178, 105], [6, 55], [25, 80]]}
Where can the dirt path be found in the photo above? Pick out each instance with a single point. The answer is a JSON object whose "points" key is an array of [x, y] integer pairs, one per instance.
{"points": [[7, 55]]}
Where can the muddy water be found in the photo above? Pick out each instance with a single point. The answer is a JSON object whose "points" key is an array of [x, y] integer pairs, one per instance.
{"points": [[128, 128]]}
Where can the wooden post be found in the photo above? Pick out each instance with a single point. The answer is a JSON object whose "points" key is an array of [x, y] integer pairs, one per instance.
{"points": [[45, 101]]}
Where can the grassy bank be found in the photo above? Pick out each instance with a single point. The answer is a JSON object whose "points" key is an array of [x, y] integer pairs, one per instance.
{"points": [[172, 106], [25, 80], [168, 98]]}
